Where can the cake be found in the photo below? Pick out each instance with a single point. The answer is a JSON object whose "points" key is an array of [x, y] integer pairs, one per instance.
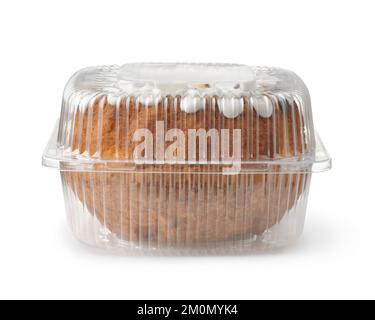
{"points": [[186, 155]]}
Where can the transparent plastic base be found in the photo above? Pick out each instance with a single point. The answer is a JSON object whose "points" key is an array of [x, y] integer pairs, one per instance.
{"points": [[100, 230]]}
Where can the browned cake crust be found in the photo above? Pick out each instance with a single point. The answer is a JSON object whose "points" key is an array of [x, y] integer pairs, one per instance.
{"points": [[189, 204]]}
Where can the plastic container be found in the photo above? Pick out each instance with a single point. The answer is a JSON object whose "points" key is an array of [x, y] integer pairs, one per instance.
{"points": [[186, 157]]}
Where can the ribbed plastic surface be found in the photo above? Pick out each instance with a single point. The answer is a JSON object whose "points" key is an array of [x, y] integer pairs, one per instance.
{"points": [[186, 156]]}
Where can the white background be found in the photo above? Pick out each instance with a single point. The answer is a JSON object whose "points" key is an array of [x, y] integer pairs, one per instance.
{"points": [[330, 44]]}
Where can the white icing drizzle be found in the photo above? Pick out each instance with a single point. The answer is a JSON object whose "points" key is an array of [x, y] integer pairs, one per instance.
{"points": [[263, 106], [193, 82], [231, 107], [192, 102]]}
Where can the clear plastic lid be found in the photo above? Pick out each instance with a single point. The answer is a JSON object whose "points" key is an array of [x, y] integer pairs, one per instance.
{"points": [[186, 118]]}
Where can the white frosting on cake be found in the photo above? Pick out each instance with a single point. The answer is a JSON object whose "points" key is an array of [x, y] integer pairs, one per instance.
{"points": [[263, 106], [192, 102], [193, 82], [231, 107]]}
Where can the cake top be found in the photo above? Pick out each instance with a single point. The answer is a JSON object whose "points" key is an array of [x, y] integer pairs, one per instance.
{"points": [[150, 82], [252, 118]]}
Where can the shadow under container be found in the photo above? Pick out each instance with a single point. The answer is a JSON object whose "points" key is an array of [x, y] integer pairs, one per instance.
{"points": [[186, 158]]}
